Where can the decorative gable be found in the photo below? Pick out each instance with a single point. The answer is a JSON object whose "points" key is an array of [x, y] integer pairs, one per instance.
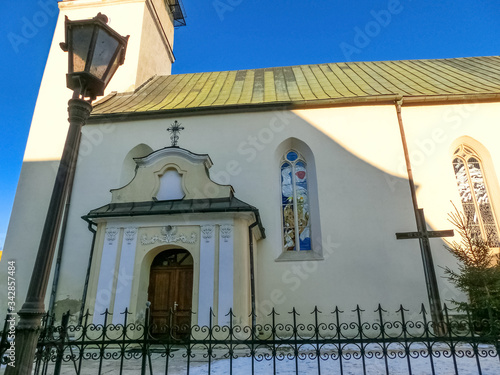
{"points": [[171, 173]]}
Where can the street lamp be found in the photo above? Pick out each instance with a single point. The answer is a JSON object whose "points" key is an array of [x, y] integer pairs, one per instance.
{"points": [[95, 51]]}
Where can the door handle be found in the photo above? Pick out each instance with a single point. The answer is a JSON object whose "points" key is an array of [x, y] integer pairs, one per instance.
{"points": [[175, 305]]}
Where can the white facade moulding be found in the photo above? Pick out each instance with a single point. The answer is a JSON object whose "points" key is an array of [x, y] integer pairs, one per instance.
{"points": [[106, 274], [125, 273], [118, 263], [207, 273], [226, 273]]}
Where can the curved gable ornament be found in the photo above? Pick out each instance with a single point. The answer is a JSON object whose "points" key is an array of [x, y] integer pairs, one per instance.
{"points": [[186, 170]]}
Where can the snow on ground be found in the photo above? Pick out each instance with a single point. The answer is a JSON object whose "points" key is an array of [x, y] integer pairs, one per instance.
{"points": [[397, 363]]}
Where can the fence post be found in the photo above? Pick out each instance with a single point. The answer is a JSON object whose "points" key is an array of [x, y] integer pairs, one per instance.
{"points": [[83, 337], [450, 337], [404, 327], [338, 336], [428, 337], [102, 348], [273, 327], [145, 348], [254, 338], [231, 349], [209, 350], [295, 345], [362, 345], [47, 330], [382, 334], [3, 341], [60, 346], [124, 339], [316, 338]]}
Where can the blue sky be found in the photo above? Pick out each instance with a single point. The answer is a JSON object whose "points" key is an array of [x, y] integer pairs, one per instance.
{"points": [[240, 34]]}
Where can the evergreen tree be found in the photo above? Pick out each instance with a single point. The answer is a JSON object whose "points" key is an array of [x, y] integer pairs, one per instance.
{"points": [[478, 275]]}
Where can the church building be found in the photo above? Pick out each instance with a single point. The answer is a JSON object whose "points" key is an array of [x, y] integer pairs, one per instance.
{"points": [[255, 189]]}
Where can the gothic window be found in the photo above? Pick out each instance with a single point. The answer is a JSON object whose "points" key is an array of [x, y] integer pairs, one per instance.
{"points": [[474, 195], [295, 202]]}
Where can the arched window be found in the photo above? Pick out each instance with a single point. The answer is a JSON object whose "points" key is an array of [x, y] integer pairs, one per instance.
{"points": [[295, 203], [474, 195]]}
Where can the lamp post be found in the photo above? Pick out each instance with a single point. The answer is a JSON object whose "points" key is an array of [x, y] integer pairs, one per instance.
{"points": [[95, 51]]}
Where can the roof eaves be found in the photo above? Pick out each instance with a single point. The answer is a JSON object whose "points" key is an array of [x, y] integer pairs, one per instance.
{"points": [[174, 207], [297, 104], [250, 107]]}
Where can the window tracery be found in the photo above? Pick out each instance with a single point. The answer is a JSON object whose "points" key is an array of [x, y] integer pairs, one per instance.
{"points": [[295, 202], [474, 195]]}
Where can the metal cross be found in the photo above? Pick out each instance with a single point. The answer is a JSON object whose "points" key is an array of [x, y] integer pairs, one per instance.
{"points": [[423, 232], [175, 129], [430, 275]]}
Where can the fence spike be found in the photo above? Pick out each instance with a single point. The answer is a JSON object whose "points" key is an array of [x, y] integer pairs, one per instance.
{"points": [[316, 310], [358, 309], [253, 314], [423, 311], [401, 309], [86, 318], [380, 309], [294, 312], [337, 310], [273, 313]]}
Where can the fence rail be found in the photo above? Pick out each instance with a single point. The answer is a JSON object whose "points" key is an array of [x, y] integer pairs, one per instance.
{"points": [[334, 343]]}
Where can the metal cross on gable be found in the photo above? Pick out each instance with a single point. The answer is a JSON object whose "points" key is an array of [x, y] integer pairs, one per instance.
{"points": [[175, 129]]}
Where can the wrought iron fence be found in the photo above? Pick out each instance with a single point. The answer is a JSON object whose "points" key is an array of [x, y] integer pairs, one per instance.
{"points": [[336, 342]]}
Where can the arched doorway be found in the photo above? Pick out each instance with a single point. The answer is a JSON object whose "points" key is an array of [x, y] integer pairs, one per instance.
{"points": [[170, 291]]}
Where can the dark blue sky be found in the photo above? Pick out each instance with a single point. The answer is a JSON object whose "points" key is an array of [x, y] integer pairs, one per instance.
{"points": [[240, 34]]}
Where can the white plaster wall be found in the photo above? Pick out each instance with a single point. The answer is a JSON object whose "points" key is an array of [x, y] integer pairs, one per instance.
{"points": [[154, 49], [431, 134], [49, 124], [363, 193], [241, 275]]}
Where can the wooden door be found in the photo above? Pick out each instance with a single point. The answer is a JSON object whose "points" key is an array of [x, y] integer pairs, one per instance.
{"points": [[170, 293]]}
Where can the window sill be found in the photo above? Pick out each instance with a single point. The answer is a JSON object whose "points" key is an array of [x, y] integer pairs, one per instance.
{"points": [[290, 256]]}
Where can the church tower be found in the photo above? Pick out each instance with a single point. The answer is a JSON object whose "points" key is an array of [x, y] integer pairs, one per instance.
{"points": [[150, 25]]}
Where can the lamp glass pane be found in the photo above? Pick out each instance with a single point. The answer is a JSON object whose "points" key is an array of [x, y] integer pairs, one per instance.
{"points": [[113, 69], [81, 38], [105, 48]]}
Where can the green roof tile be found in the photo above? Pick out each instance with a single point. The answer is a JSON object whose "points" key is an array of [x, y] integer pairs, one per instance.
{"points": [[280, 86], [269, 86], [309, 83]]}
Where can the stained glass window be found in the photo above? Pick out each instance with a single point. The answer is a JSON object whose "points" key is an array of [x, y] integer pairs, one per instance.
{"points": [[295, 203], [474, 195]]}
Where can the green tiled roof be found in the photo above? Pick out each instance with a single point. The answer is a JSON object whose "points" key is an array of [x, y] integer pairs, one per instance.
{"points": [[306, 85]]}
